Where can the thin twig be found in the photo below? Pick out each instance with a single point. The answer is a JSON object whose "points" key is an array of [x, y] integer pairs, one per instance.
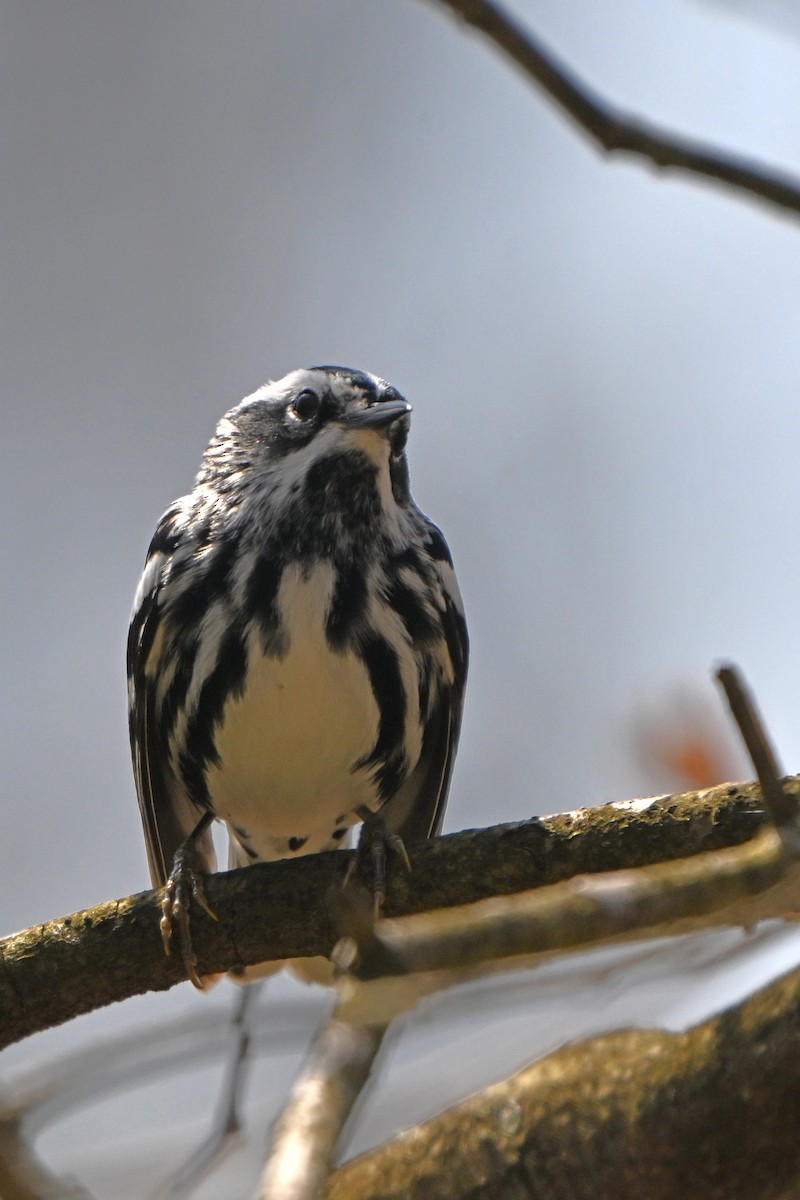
{"points": [[614, 130], [781, 806], [23, 1176], [321, 1101], [341, 1059]]}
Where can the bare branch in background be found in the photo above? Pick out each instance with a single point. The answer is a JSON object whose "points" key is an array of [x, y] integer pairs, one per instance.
{"points": [[341, 1058], [782, 807], [709, 1112], [613, 130], [22, 1174]]}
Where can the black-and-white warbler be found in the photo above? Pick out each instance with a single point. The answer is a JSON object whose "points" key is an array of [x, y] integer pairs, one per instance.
{"points": [[297, 653]]}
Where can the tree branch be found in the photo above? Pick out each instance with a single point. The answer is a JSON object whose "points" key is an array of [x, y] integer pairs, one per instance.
{"points": [[23, 1176], [340, 1061], [613, 130], [709, 1112], [280, 910], [782, 809]]}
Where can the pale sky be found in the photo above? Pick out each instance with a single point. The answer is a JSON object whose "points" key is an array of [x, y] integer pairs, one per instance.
{"points": [[603, 365]]}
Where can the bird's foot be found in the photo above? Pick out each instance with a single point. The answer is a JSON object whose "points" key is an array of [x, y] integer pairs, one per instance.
{"points": [[373, 844], [185, 883]]}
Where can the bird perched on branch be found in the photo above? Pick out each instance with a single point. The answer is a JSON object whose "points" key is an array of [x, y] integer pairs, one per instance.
{"points": [[297, 652]]}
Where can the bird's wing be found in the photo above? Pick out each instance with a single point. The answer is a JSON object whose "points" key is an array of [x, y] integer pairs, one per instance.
{"points": [[168, 816], [416, 811]]}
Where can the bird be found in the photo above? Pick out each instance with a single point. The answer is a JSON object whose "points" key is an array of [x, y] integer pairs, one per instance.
{"points": [[297, 653]]}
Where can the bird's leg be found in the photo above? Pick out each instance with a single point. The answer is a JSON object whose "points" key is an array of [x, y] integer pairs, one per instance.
{"points": [[374, 841], [185, 883]]}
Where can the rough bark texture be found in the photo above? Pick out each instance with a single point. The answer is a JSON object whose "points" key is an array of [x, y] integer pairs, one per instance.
{"points": [[55, 971], [712, 1112]]}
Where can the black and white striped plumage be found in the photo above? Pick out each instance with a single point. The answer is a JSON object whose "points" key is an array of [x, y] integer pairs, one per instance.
{"points": [[297, 647]]}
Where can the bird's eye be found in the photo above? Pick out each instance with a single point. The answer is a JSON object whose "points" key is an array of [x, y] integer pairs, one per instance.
{"points": [[306, 405]]}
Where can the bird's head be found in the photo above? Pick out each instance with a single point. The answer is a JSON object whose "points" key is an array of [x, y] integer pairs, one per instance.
{"points": [[310, 417]]}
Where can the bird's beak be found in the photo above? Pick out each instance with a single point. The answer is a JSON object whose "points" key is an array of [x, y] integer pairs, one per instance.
{"points": [[377, 416]]}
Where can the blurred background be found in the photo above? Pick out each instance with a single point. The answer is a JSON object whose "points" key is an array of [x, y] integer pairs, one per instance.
{"points": [[603, 364]]}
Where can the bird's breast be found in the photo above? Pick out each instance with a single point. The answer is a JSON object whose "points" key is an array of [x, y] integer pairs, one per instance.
{"points": [[288, 747]]}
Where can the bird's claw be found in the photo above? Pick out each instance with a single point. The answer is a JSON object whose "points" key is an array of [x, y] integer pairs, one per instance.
{"points": [[373, 844], [185, 883]]}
